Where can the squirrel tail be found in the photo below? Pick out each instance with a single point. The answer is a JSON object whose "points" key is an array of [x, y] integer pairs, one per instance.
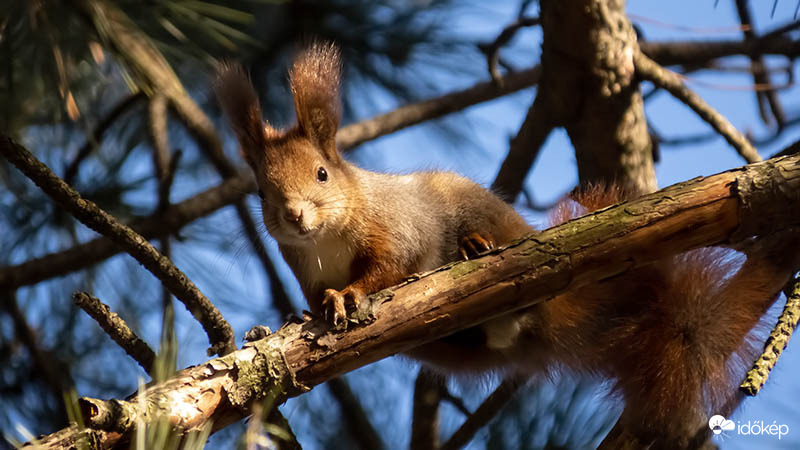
{"points": [[682, 331]]}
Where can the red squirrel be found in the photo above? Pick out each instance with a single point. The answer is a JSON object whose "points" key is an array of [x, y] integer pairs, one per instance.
{"points": [[674, 335]]}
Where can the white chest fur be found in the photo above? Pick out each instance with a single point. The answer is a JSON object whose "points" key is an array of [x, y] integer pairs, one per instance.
{"points": [[328, 263]]}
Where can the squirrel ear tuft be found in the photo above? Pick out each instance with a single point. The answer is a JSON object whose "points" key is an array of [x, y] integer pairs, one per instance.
{"points": [[314, 80], [239, 101]]}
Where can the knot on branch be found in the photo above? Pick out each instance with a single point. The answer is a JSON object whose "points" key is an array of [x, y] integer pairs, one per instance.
{"points": [[109, 415], [261, 371]]}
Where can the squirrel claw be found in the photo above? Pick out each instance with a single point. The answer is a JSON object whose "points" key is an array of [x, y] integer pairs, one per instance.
{"points": [[336, 303], [333, 306], [474, 244]]}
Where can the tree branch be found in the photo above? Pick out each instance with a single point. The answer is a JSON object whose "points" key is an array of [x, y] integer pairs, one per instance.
{"points": [[492, 50], [255, 430], [690, 53], [408, 115], [726, 208], [116, 328], [759, 70], [485, 412], [355, 418], [164, 168], [280, 299], [157, 125], [220, 333], [524, 149], [777, 32], [649, 70], [429, 388]]}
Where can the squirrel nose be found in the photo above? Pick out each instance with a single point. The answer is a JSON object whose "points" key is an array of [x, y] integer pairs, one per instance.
{"points": [[293, 214]]}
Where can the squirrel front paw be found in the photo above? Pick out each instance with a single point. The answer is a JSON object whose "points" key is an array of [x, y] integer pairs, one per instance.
{"points": [[336, 303], [474, 244]]}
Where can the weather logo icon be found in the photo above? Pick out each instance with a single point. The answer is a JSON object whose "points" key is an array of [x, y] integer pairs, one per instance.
{"points": [[719, 425]]}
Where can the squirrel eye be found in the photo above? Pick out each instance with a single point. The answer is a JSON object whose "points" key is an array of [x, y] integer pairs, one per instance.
{"points": [[261, 194], [322, 175]]}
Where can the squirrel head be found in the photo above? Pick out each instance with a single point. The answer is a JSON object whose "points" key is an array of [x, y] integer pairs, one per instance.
{"points": [[304, 183]]}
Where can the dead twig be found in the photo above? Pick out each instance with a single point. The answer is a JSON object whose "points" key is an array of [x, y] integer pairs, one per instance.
{"points": [[157, 125], [492, 49], [164, 168]]}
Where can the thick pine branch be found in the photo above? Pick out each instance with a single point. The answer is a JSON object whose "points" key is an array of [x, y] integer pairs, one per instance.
{"points": [[722, 209]]}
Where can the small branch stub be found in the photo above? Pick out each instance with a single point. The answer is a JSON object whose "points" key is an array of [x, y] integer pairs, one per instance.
{"points": [[117, 329], [108, 415]]}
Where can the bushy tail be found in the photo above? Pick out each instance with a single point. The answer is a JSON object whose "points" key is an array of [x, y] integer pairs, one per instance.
{"points": [[680, 332]]}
